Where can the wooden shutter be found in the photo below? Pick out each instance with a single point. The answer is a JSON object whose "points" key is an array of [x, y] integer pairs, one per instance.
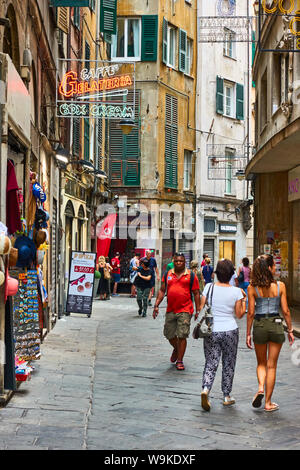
{"points": [[165, 41], [99, 163], [220, 96], [182, 50], [108, 16], [63, 19], [149, 38], [171, 142], [116, 172], [239, 101], [87, 55]]}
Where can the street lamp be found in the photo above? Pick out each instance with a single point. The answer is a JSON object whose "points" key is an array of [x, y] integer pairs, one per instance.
{"points": [[127, 125], [240, 174], [62, 155]]}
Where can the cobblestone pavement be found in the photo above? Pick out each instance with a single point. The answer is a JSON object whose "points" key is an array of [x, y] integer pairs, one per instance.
{"points": [[106, 382]]}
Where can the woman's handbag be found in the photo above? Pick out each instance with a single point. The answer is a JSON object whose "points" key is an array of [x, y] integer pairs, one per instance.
{"points": [[203, 329]]}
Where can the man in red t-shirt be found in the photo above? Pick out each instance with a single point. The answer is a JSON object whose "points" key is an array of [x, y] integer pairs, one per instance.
{"points": [[180, 307], [116, 272]]}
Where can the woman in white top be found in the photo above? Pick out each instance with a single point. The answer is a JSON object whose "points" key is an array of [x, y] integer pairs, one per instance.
{"points": [[227, 302]]}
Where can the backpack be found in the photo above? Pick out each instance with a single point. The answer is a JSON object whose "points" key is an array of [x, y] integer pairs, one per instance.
{"points": [[192, 277], [241, 276], [106, 273]]}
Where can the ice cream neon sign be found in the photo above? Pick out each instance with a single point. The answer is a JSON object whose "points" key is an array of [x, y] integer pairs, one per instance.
{"points": [[71, 86]]}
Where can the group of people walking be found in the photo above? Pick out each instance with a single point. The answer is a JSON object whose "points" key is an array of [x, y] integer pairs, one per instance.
{"points": [[109, 272], [260, 294]]}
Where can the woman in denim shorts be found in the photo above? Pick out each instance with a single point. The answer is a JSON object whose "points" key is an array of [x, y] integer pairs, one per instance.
{"points": [[266, 296]]}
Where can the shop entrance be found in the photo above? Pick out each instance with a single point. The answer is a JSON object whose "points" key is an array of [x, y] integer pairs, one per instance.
{"points": [[227, 250]]}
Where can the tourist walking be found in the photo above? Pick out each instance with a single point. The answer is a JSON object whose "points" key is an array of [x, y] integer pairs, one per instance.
{"points": [[205, 255], [143, 285], [180, 284], [116, 273], [243, 276], [103, 288], [207, 272], [227, 302], [266, 296], [154, 271], [109, 268], [133, 268]]}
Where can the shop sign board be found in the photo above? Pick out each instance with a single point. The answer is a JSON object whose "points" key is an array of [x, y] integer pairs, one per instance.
{"points": [[227, 228], [95, 89], [294, 184], [81, 282]]}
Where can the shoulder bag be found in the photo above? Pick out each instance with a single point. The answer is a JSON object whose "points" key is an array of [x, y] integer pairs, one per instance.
{"points": [[203, 329]]}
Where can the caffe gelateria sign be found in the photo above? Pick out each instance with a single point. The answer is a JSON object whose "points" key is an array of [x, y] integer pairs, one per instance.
{"points": [[96, 91]]}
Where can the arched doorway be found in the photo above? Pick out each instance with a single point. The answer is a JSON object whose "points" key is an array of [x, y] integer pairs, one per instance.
{"points": [[11, 38], [69, 215], [81, 217]]}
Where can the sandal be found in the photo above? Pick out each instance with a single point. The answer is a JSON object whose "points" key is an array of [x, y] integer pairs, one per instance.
{"points": [[173, 358], [180, 365], [257, 400], [274, 407]]}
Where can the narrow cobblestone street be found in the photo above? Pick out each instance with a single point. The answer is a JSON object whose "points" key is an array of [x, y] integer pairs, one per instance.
{"points": [[106, 382]]}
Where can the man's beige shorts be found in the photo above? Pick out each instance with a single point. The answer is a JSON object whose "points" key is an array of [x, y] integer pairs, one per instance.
{"points": [[177, 324]]}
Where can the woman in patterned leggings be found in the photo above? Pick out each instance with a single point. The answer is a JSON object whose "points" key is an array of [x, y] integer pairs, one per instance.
{"points": [[227, 302]]}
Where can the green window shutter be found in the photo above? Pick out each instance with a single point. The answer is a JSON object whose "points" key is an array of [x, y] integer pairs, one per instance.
{"points": [[108, 16], [86, 153], [124, 150], [87, 55], [76, 136], [171, 142], [165, 41], [182, 50], [76, 17], [220, 96], [149, 38], [239, 101]]}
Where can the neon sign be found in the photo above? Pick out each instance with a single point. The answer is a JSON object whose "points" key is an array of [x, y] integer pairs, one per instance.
{"points": [[71, 86], [106, 91]]}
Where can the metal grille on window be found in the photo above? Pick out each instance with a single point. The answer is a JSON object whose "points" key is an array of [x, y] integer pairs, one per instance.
{"points": [[209, 248]]}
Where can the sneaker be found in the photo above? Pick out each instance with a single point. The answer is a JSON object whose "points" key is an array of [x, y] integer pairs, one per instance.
{"points": [[140, 311], [228, 401]]}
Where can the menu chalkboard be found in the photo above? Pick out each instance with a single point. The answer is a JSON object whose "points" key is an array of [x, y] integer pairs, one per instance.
{"points": [[81, 282]]}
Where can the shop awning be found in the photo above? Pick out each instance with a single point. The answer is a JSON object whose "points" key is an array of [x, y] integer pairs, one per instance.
{"points": [[280, 153]]}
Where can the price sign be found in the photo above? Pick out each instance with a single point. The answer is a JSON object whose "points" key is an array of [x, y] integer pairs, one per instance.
{"points": [[81, 282]]}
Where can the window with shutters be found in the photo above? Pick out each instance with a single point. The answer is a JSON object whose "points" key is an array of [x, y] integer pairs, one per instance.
{"points": [[189, 57], [187, 177], [182, 51], [124, 150], [171, 142], [230, 99], [209, 225], [229, 156], [171, 46], [99, 143], [126, 44]]}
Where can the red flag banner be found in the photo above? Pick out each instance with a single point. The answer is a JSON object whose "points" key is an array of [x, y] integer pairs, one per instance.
{"points": [[104, 232]]}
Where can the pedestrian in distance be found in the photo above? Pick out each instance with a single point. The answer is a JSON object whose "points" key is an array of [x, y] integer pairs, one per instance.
{"points": [[208, 272], [265, 297], [227, 302], [103, 287], [133, 268], [109, 267], [154, 271], [181, 284], [143, 285], [243, 276], [205, 255], [195, 268], [116, 273], [170, 265]]}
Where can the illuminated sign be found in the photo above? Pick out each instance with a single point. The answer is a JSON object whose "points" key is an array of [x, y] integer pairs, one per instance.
{"points": [[290, 40], [106, 91]]}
